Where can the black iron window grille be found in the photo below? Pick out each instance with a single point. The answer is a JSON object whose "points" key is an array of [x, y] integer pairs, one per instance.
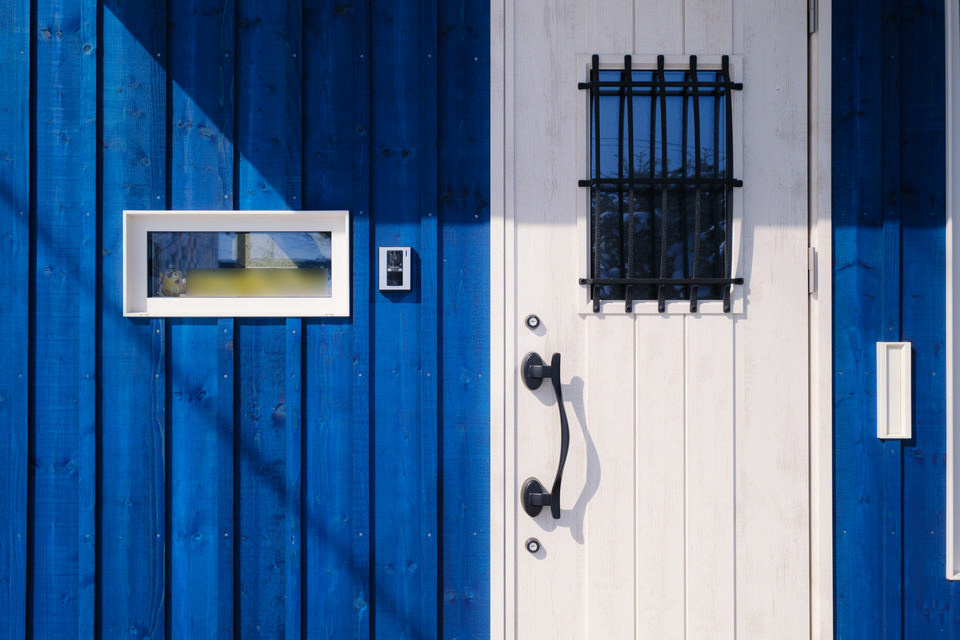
{"points": [[661, 176]]}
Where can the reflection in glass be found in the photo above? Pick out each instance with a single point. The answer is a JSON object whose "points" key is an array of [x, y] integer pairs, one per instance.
{"points": [[264, 264], [660, 150]]}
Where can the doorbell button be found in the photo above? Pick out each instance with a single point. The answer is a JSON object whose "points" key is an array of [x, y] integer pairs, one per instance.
{"points": [[532, 321], [533, 545]]}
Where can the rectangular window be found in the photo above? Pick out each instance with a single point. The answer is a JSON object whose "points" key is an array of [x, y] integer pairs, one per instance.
{"points": [[661, 178], [236, 263]]}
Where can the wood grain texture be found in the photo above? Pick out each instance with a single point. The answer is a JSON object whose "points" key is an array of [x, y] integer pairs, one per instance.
{"points": [[660, 449], [214, 478], [15, 241], [131, 393], [336, 589], [931, 602], [709, 478], [708, 26], [772, 448], [65, 286], [463, 179], [201, 535], [404, 523], [269, 351], [429, 267], [861, 510]]}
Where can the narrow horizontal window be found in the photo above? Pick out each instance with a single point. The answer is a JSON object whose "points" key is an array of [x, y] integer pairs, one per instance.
{"points": [[236, 263], [239, 264]]}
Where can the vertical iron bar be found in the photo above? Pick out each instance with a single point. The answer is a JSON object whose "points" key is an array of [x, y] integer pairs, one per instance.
{"points": [[728, 183], [595, 94], [699, 176], [651, 196], [620, 167], [716, 198], [661, 78], [688, 80], [628, 72]]}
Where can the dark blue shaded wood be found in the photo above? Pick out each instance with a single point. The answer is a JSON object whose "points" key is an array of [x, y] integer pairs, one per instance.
{"points": [[131, 395], [429, 274], [931, 603], [404, 513], [890, 508], [891, 532], [866, 595], [464, 182], [64, 371], [336, 414], [201, 371], [14, 313], [269, 177]]}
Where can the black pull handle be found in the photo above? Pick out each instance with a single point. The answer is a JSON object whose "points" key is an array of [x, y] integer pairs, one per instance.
{"points": [[533, 496]]}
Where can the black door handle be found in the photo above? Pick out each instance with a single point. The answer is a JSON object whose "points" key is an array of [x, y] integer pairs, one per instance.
{"points": [[532, 495]]}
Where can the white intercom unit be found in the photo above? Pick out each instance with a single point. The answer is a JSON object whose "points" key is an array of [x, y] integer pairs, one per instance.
{"points": [[395, 267]]}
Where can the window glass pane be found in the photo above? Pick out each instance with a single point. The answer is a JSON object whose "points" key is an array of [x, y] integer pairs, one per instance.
{"points": [[660, 180], [248, 264]]}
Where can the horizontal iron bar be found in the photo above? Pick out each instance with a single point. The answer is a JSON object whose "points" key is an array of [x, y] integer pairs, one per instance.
{"points": [[666, 282], [654, 84], [680, 182], [713, 95]]}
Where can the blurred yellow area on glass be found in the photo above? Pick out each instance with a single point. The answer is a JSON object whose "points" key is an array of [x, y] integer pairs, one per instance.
{"points": [[261, 283]]}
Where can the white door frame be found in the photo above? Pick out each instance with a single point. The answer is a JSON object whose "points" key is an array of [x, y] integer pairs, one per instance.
{"points": [[503, 342]]}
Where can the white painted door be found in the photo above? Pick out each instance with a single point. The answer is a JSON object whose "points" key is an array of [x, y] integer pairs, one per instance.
{"points": [[685, 499]]}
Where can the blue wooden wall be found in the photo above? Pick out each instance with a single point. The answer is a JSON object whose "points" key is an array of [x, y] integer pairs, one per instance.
{"points": [[218, 478], [889, 212]]}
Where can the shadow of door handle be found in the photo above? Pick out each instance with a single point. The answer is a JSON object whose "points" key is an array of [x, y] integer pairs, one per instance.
{"points": [[532, 495]]}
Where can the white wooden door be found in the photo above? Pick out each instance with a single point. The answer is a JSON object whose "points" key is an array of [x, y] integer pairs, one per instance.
{"points": [[685, 500]]}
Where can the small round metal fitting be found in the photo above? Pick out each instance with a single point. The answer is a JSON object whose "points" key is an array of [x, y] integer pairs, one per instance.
{"points": [[532, 321], [533, 545]]}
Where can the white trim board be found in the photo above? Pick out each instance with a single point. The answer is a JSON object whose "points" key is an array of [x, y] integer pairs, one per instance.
{"points": [[952, 14]]}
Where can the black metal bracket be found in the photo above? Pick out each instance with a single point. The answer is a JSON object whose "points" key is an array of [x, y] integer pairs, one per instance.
{"points": [[533, 497]]}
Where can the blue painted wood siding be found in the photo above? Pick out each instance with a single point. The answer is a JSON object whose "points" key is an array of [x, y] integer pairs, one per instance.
{"points": [[221, 478], [889, 212]]}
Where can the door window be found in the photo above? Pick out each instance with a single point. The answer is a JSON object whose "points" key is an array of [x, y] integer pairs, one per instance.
{"points": [[660, 180]]}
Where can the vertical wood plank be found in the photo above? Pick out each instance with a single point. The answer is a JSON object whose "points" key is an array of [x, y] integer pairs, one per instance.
{"points": [[132, 352], [609, 26], [464, 267], [292, 412], [403, 575], [201, 373], [336, 589], [269, 142], [429, 368], [772, 452], [658, 27], [709, 484], [610, 430], [15, 213], [612, 472], [708, 27], [660, 458], [890, 293], [864, 602], [930, 600], [65, 229]]}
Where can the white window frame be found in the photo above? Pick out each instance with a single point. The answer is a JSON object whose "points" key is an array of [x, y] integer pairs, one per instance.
{"points": [[137, 302], [952, 13]]}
